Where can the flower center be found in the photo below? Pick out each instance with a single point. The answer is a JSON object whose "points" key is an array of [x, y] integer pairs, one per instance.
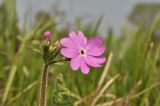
{"points": [[82, 52]]}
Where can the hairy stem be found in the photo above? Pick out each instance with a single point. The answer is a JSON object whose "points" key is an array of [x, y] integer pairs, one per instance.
{"points": [[44, 80]]}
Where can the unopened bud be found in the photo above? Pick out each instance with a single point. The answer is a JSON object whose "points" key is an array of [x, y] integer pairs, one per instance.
{"points": [[55, 46], [47, 35]]}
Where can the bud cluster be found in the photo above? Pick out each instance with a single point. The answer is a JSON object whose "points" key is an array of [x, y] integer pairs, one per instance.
{"points": [[50, 51]]}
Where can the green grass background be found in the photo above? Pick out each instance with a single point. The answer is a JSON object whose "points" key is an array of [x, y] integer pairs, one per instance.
{"points": [[136, 57]]}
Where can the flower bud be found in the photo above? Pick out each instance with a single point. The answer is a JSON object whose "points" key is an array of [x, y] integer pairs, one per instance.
{"points": [[47, 35], [55, 46]]}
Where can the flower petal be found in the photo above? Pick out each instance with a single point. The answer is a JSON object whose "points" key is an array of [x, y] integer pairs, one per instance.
{"points": [[67, 42], [91, 61], [100, 60], [82, 39], [75, 62], [96, 51], [73, 36], [96, 41], [70, 53], [94, 61], [84, 67]]}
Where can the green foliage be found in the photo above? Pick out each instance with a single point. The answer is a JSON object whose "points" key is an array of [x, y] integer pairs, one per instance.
{"points": [[61, 95], [145, 12]]}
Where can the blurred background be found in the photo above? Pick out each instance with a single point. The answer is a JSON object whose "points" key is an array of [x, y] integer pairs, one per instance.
{"points": [[115, 13], [131, 32]]}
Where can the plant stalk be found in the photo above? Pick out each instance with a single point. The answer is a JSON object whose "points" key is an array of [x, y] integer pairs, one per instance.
{"points": [[44, 80]]}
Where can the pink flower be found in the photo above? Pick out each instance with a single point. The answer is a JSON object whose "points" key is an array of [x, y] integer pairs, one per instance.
{"points": [[83, 53], [47, 35]]}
